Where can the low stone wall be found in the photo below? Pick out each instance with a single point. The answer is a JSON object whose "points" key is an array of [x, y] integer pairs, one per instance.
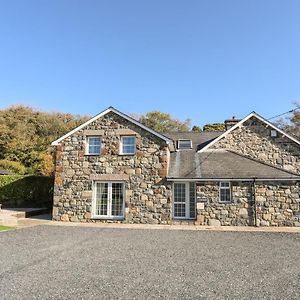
{"points": [[277, 204]]}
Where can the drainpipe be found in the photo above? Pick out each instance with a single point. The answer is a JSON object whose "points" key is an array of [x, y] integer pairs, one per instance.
{"points": [[254, 202]]}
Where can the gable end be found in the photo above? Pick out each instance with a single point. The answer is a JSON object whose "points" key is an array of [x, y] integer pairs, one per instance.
{"points": [[103, 113], [260, 118]]}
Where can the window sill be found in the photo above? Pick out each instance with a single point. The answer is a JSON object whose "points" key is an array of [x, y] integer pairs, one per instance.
{"points": [[183, 218], [107, 218]]}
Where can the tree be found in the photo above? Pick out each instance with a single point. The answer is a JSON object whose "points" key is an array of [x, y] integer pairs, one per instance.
{"points": [[214, 127], [196, 128], [26, 135], [292, 123], [163, 122]]}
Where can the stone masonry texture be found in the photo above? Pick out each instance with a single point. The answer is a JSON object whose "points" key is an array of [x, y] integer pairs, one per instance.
{"points": [[275, 204], [253, 139], [148, 196]]}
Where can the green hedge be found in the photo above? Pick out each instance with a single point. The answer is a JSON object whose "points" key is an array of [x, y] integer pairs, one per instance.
{"points": [[26, 191]]}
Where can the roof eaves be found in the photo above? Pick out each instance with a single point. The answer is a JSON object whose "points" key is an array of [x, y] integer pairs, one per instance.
{"points": [[276, 128], [104, 112], [233, 179], [163, 137], [226, 132], [253, 113]]}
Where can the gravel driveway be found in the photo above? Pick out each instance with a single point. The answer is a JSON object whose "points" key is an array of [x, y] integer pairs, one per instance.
{"points": [[57, 262]]}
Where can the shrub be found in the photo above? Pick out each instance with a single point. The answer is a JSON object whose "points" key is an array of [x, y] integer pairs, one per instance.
{"points": [[12, 166], [26, 191]]}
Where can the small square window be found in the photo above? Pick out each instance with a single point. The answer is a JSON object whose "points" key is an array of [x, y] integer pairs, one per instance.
{"points": [[93, 145], [128, 145], [225, 192], [184, 144], [273, 133]]}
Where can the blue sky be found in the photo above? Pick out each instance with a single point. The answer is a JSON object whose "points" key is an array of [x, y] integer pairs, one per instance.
{"points": [[204, 60]]}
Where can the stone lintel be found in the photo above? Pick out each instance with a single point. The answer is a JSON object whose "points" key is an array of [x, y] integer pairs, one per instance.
{"points": [[110, 177], [93, 132], [126, 131]]}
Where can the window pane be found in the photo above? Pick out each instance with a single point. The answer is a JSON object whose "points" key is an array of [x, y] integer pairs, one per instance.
{"points": [[117, 199], [179, 210], [128, 140], [128, 149], [128, 145], [94, 141], [94, 149], [192, 200], [101, 199], [94, 145], [225, 195], [179, 192], [179, 200], [184, 144]]}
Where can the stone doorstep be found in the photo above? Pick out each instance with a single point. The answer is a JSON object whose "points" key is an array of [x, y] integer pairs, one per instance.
{"points": [[9, 221], [10, 217], [23, 212]]}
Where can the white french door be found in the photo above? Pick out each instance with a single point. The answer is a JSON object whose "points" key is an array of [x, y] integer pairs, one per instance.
{"points": [[108, 199], [181, 203]]}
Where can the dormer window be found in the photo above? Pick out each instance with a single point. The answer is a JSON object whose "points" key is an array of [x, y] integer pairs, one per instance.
{"points": [[184, 144]]}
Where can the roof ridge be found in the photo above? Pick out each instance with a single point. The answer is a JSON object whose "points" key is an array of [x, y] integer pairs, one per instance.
{"points": [[262, 162]]}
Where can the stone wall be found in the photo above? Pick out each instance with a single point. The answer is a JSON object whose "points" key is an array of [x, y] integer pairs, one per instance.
{"points": [[277, 204], [148, 196], [238, 212], [253, 140]]}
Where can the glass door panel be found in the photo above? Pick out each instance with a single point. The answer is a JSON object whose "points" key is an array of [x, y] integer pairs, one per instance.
{"points": [[117, 199], [101, 199], [179, 200]]}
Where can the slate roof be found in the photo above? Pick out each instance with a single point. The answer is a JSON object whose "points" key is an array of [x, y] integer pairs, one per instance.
{"points": [[221, 164], [199, 139]]}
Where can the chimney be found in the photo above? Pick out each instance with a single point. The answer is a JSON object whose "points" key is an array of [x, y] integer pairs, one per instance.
{"points": [[230, 122]]}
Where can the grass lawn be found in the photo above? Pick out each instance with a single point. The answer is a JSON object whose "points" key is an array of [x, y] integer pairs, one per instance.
{"points": [[5, 227]]}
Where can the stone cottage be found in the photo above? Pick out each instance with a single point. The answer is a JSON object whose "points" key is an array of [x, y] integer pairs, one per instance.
{"points": [[114, 169]]}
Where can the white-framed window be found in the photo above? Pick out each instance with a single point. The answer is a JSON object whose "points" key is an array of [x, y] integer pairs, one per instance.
{"points": [[184, 144], [108, 200], [183, 200], [225, 191], [128, 145], [93, 145]]}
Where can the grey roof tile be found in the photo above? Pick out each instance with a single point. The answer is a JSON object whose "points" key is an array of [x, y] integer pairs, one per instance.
{"points": [[221, 164], [199, 139]]}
